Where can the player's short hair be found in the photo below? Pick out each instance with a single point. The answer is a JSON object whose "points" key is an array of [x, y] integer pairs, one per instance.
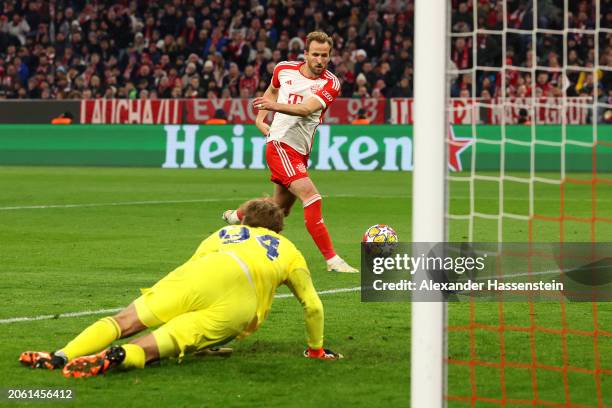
{"points": [[263, 212], [319, 36]]}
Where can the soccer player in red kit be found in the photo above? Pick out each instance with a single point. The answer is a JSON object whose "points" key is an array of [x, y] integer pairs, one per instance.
{"points": [[300, 93]]}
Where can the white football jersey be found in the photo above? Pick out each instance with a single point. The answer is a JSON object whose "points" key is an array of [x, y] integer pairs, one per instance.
{"points": [[294, 88]]}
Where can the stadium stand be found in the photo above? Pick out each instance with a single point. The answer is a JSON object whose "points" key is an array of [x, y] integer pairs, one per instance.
{"points": [[214, 49]]}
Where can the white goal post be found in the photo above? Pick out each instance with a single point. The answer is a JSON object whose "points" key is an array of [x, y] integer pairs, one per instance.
{"points": [[428, 340]]}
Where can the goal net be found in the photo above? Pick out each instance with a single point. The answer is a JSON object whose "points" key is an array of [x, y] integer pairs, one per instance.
{"points": [[530, 157]]}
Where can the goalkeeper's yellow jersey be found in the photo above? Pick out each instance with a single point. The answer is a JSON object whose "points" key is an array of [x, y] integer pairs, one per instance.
{"points": [[269, 260]]}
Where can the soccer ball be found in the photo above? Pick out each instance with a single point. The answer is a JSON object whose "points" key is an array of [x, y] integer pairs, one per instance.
{"points": [[380, 233], [380, 240]]}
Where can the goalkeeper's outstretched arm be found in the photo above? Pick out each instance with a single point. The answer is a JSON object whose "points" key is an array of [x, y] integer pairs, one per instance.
{"points": [[301, 285], [302, 288]]}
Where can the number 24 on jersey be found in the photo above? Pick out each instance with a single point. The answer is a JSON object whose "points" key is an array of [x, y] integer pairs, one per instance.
{"points": [[268, 242]]}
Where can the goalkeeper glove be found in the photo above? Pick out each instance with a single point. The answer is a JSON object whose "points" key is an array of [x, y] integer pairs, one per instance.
{"points": [[322, 354]]}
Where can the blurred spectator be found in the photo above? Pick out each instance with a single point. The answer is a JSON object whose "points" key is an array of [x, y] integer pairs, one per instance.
{"points": [[218, 119], [17, 27], [190, 72], [523, 118], [65, 118], [462, 20], [361, 118], [194, 90], [231, 81], [462, 53], [248, 82], [605, 107], [402, 90]]}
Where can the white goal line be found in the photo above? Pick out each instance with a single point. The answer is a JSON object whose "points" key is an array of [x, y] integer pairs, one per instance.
{"points": [[239, 199], [117, 309], [153, 202]]}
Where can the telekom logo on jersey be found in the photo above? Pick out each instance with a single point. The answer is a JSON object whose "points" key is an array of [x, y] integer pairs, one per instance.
{"points": [[188, 143], [294, 99]]}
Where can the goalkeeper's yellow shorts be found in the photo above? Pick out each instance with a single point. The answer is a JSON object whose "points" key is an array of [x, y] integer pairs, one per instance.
{"points": [[201, 304]]}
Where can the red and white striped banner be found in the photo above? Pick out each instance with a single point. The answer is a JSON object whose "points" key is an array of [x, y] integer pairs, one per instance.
{"points": [[467, 111], [342, 111], [131, 111]]}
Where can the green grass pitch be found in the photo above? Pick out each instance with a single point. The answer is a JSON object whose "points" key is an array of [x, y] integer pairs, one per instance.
{"points": [[129, 227]]}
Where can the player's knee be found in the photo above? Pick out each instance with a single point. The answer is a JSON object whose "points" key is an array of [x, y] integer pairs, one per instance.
{"points": [[286, 211], [303, 188], [310, 192]]}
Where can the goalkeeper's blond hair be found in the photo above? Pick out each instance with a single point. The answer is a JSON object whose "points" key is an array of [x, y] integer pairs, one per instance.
{"points": [[263, 212]]}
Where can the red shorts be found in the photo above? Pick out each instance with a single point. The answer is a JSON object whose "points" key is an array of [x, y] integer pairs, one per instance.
{"points": [[285, 163]]}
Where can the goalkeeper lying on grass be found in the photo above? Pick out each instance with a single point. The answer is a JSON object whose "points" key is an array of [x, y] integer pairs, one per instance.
{"points": [[223, 292]]}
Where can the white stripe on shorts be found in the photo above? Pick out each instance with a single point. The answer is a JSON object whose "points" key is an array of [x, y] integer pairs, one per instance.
{"points": [[284, 159]]}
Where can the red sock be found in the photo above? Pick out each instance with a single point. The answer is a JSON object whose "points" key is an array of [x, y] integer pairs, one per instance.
{"points": [[239, 214], [315, 226]]}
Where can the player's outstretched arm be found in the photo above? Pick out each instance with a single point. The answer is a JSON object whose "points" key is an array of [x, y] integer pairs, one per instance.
{"points": [[270, 94], [303, 109], [302, 288]]}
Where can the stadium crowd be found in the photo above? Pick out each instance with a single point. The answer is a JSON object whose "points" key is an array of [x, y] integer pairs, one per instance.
{"points": [[530, 72], [83, 49]]}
